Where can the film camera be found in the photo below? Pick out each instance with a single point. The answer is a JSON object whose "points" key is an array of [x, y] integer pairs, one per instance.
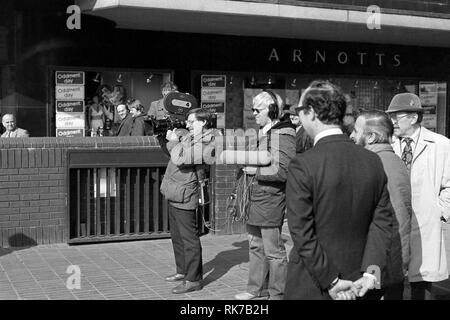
{"points": [[178, 105]]}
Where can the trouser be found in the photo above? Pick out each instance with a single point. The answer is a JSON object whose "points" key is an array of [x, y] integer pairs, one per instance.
{"points": [[421, 290], [186, 243], [268, 262]]}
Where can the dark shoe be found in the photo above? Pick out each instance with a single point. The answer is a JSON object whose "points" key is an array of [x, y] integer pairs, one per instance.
{"points": [[175, 277], [187, 286]]}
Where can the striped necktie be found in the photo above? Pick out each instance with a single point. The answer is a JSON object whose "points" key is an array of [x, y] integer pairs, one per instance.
{"points": [[407, 154]]}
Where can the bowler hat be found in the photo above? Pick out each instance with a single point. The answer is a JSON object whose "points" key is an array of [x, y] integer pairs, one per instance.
{"points": [[405, 102], [292, 110]]}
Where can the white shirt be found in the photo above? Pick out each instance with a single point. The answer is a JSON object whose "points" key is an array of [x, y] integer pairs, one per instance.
{"points": [[326, 133]]}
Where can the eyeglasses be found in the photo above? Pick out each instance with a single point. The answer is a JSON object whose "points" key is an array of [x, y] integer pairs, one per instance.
{"points": [[256, 110], [395, 117]]}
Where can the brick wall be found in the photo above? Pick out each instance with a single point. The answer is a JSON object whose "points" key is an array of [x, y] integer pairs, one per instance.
{"points": [[33, 195], [33, 187]]}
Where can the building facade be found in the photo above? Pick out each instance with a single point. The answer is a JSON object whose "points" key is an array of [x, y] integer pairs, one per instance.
{"points": [[223, 52]]}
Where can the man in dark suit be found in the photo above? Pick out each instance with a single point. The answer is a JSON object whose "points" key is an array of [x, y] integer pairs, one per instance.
{"points": [[303, 142], [338, 208], [127, 121]]}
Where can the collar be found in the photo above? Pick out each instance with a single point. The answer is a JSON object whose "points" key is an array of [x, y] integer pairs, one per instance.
{"points": [[268, 126], [326, 133], [414, 136], [379, 147], [298, 128]]}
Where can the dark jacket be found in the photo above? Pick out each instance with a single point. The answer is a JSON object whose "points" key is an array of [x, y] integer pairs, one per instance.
{"points": [[180, 182], [303, 142], [139, 127], [125, 126], [267, 198], [399, 187], [339, 216]]}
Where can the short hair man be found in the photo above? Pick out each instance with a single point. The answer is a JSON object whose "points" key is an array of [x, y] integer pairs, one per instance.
{"points": [[12, 131], [427, 155], [303, 142], [157, 109], [338, 206], [373, 130], [139, 126], [126, 123]]}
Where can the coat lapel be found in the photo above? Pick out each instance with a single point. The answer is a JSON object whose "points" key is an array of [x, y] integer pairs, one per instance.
{"points": [[424, 140]]}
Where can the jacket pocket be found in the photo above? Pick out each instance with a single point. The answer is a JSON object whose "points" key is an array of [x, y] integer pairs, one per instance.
{"points": [[177, 193]]}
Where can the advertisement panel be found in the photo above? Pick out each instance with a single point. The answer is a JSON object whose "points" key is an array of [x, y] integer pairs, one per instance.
{"points": [[69, 92], [69, 106], [72, 132], [70, 77], [69, 120]]}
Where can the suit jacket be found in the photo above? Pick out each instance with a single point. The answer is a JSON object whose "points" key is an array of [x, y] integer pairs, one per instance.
{"points": [[430, 187], [139, 127], [18, 133], [303, 142], [125, 126], [339, 216]]}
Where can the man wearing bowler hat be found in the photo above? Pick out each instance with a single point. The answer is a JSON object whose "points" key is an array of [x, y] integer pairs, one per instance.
{"points": [[427, 156]]}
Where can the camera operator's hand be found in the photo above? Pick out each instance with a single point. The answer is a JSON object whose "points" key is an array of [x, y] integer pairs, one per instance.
{"points": [[171, 135]]}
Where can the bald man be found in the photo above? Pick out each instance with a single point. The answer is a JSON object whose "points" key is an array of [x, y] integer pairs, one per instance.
{"points": [[9, 122]]}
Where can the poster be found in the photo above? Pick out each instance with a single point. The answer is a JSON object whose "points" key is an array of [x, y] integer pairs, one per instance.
{"points": [[213, 96], [69, 94], [428, 95]]}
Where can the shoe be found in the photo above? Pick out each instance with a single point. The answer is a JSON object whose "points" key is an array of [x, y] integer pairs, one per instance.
{"points": [[175, 277], [187, 286], [245, 296]]}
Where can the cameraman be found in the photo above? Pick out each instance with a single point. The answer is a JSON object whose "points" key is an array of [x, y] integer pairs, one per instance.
{"points": [[157, 109], [180, 186]]}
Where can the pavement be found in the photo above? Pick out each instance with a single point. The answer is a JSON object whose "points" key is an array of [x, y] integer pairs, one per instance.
{"points": [[133, 270]]}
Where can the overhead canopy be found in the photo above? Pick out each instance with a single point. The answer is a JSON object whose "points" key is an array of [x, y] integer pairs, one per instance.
{"points": [[271, 20]]}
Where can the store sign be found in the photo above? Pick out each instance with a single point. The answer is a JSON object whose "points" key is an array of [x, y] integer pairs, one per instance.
{"points": [[69, 120], [70, 77], [75, 132], [212, 81], [213, 94], [308, 56], [69, 106], [71, 92], [214, 106]]}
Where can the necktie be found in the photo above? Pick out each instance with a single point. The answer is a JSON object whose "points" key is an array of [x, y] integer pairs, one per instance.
{"points": [[407, 153]]}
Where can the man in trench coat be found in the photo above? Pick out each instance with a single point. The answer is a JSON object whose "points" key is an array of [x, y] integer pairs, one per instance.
{"points": [[427, 156]]}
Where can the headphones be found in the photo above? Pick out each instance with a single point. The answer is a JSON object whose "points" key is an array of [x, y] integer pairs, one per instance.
{"points": [[274, 109]]}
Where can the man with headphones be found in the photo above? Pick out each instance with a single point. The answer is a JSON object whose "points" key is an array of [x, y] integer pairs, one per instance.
{"points": [[267, 254]]}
